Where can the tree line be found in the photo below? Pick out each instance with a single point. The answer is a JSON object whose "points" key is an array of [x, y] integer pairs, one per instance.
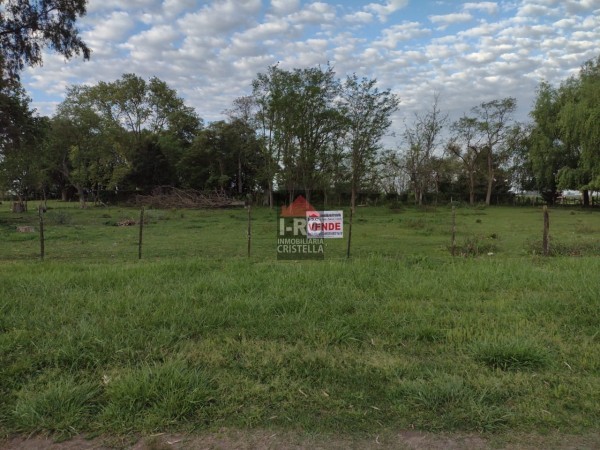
{"points": [[300, 131]]}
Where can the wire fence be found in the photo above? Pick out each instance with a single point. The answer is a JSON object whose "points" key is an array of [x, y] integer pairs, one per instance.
{"points": [[66, 233]]}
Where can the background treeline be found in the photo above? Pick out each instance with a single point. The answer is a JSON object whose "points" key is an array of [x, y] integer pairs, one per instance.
{"points": [[300, 131]]}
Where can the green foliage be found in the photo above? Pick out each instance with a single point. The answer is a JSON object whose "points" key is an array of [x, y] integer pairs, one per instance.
{"points": [[26, 28], [564, 139]]}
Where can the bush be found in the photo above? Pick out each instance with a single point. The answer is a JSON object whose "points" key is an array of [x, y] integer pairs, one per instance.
{"points": [[59, 217]]}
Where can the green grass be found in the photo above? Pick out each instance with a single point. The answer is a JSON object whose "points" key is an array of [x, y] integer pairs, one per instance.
{"points": [[198, 337], [92, 235]]}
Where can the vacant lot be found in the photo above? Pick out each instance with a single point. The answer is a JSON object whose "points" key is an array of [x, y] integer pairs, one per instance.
{"points": [[197, 337]]}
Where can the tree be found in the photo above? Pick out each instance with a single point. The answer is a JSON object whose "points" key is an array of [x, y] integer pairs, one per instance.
{"points": [[547, 151], [212, 162], [578, 120], [494, 120], [564, 141], [367, 112], [302, 121], [422, 140], [82, 146], [27, 27], [464, 144], [138, 121], [392, 176], [21, 139], [241, 116]]}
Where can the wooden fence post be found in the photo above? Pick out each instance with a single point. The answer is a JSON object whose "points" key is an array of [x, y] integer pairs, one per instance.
{"points": [[453, 231], [249, 228], [141, 233], [546, 238], [349, 233], [42, 243]]}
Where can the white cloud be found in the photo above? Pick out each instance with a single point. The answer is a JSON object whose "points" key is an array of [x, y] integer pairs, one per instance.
{"points": [[317, 13], [359, 17], [384, 10], [487, 7], [450, 19], [220, 17], [284, 7], [401, 33], [211, 50]]}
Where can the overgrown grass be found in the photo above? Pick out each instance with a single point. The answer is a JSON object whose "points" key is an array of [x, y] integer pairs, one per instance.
{"points": [[197, 336], [435, 344]]}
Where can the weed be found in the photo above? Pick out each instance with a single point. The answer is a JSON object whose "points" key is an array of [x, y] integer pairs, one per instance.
{"points": [[59, 217], [63, 406], [511, 354], [476, 246]]}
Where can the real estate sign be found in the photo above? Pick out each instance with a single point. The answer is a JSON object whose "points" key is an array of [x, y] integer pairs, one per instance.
{"points": [[325, 224], [301, 230]]}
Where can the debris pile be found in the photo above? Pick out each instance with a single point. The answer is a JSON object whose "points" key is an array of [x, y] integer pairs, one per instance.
{"points": [[166, 197]]}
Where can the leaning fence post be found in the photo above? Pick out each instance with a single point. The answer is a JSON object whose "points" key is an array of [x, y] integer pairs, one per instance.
{"points": [[546, 238], [42, 243], [141, 233]]}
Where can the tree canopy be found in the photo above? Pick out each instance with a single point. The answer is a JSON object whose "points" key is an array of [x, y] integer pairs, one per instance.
{"points": [[27, 27]]}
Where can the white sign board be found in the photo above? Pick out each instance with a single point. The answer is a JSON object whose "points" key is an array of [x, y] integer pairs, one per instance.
{"points": [[324, 224]]}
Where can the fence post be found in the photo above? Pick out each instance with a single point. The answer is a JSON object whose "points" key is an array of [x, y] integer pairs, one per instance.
{"points": [[546, 238], [349, 233], [141, 233], [453, 230], [249, 228], [42, 243]]}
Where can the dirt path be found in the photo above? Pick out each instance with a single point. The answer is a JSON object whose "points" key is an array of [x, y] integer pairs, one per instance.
{"points": [[263, 439]]}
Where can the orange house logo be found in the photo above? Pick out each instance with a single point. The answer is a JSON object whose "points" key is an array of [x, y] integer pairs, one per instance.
{"points": [[299, 208]]}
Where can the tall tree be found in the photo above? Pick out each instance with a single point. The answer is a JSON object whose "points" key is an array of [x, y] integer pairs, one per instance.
{"points": [[299, 108], [423, 139], [547, 151], [578, 120], [367, 112], [465, 144], [139, 120], [494, 122], [21, 137], [29, 26], [82, 146]]}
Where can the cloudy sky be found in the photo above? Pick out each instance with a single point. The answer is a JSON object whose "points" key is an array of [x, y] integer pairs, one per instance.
{"points": [[211, 50]]}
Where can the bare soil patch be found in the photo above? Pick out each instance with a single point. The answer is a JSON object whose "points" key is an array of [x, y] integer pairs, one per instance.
{"points": [[265, 439]]}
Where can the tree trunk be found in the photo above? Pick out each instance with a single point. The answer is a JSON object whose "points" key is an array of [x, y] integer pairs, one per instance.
{"points": [[81, 195], [240, 174], [488, 195], [270, 194], [471, 189], [586, 197], [64, 194]]}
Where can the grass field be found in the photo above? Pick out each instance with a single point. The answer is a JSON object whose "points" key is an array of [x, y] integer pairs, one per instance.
{"points": [[197, 336]]}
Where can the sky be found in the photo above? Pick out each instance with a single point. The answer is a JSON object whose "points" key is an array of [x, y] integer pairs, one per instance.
{"points": [[210, 50]]}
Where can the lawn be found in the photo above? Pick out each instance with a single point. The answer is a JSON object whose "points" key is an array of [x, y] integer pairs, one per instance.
{"points": [[197, 336]]}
